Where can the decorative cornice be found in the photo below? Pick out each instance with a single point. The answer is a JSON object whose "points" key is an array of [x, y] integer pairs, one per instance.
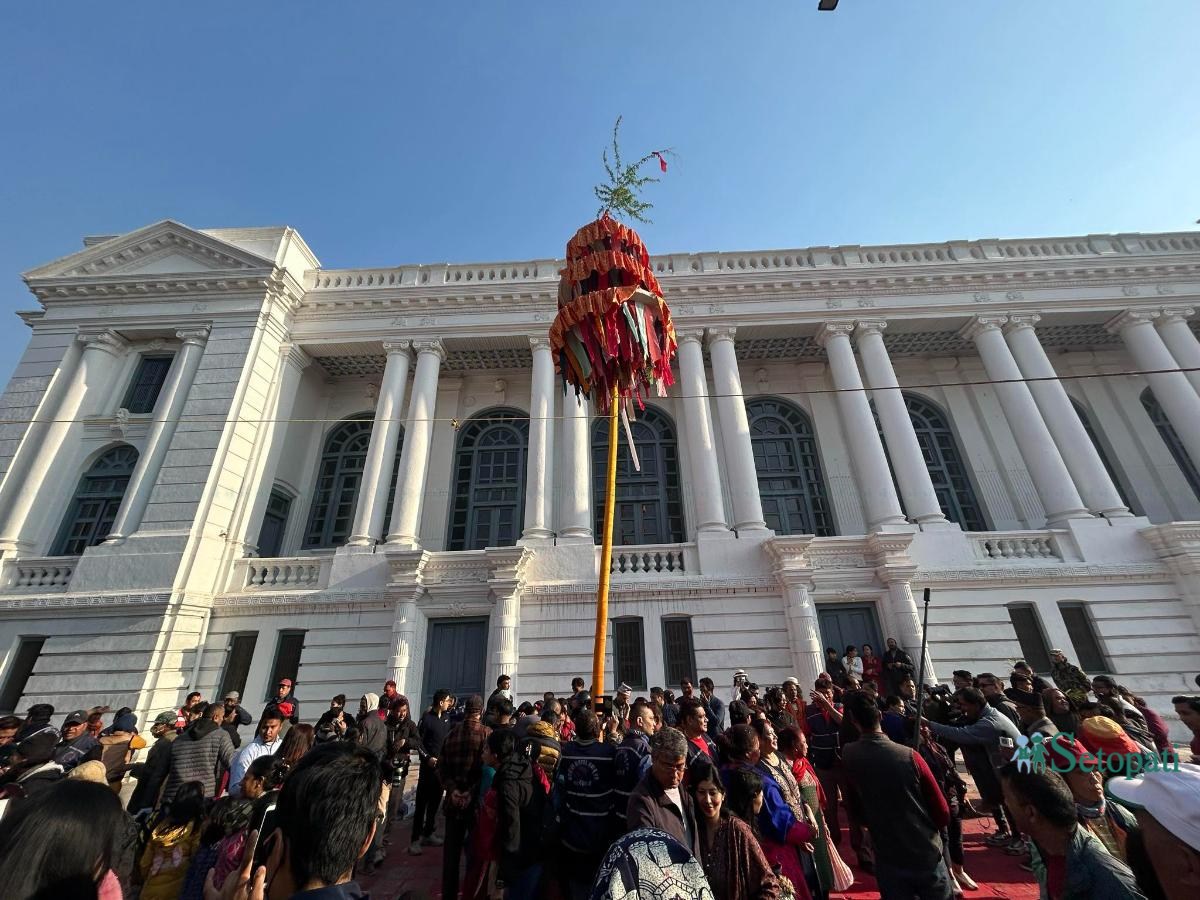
{"points": [[131, 288], [1041, 576], [1131, 317], [80, 601]]}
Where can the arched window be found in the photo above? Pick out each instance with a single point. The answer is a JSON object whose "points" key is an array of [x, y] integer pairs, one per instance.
{"points": [[339, 475], [649, 506], [1171, 438], [489, 481], [794, 497], [945, 464], [1108, 466], [94, 507]]}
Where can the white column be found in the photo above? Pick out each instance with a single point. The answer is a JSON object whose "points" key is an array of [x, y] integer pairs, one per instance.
{"points": [[404, 633], [575, 498], [292, 365], [920, 499], [167, 411], [804, 634], [381, 452], [418, 432], [1172, 390], [735, 432], [538, 471], [906, 619], [1078, 452], [1181, 341], [702, 451], [880, 503], [88, 388], [29, 451], [1050, 475]]}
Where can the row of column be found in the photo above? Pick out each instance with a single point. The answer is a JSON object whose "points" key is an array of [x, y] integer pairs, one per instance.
{"points": [[403, 522], [1064, 465], [81, 388]]}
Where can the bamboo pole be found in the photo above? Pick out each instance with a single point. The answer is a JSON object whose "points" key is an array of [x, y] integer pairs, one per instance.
{"points": [[610, 503]]}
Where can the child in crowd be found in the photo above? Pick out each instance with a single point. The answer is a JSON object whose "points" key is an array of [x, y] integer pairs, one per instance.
{"points": [[172, 842]]}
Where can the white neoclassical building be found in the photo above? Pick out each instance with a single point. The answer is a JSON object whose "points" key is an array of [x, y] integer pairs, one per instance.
{"points": [[224, 464]]}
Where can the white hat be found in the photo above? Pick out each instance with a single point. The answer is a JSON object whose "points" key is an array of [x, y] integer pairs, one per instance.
{"points": [[792, 679], [623, 688], [739, 672], [1173, 798]]}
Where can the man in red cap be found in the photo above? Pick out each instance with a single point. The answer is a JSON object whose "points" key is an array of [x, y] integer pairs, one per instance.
{"points": [[285, 699]]}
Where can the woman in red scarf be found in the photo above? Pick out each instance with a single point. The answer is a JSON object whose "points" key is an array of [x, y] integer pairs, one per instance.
{"points": [[872, 666], [832, 873]]}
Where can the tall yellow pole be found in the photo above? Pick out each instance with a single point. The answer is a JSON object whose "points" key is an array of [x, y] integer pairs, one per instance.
{"points": [[606, 538]]}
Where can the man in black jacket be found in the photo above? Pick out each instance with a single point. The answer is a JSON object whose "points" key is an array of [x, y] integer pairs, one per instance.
{"points": [[235, 716], [285, 699], [77, 745], [432, 731], [904, 807], [152, 773], [520, 808]]}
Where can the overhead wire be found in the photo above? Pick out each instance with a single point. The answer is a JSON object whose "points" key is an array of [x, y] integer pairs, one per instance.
{"points": [[457, 421]]}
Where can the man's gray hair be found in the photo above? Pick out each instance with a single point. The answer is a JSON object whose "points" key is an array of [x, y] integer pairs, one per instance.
{"points": [[669, 740]]}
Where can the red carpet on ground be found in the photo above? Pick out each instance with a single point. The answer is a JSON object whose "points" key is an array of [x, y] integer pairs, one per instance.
{"points": [[998, 874]]}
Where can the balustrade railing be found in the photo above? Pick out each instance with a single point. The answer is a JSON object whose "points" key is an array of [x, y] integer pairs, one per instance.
{"points": [[294, 574], [648, 560], [1018, 546], [51, 573]]}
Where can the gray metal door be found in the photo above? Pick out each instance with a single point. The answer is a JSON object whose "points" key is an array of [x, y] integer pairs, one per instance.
{"points": [[844, 624], [455, 657]]}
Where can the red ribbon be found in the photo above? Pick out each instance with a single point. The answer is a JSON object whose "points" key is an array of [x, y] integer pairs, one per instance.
{"points": [[662, 163]]}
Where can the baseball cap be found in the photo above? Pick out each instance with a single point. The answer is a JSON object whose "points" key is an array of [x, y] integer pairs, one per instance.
{"points": [[78, 717], [1173, 798], [233, 695], [165, 718], [623, 688], [286, 681]]}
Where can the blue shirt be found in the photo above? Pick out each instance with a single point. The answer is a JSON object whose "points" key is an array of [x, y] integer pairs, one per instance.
{"points": [[245, 756]]}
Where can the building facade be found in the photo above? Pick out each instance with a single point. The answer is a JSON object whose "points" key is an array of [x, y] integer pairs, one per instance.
{"points": [[223, 464]]}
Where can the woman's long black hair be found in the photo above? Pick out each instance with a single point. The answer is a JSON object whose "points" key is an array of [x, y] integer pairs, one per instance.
{"points": [[744, 785], [59, 845]]}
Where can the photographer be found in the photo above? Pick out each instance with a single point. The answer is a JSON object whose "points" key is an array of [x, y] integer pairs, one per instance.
{"points": [[334, 724]]}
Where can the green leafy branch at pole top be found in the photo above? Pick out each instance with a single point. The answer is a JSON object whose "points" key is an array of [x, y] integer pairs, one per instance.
{"points": [[620, 197]]}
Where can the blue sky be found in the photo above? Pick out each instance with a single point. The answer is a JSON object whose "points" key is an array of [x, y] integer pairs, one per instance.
{"points": [[424, 132]]}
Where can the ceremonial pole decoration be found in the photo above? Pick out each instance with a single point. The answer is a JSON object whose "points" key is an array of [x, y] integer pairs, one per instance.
{"points": [[613, 339]]}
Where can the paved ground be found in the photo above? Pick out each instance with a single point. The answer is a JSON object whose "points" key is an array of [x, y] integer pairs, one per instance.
{"points": [[999, 875]]}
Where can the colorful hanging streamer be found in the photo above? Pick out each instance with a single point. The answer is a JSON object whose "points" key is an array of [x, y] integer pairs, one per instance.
{"points": [[613, 326]]}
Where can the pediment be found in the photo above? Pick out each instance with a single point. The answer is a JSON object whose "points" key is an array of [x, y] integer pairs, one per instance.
{"points": [[165, 248]]}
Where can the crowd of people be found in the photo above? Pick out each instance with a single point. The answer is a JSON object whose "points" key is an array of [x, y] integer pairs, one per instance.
{"points": [[735, 794]]}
